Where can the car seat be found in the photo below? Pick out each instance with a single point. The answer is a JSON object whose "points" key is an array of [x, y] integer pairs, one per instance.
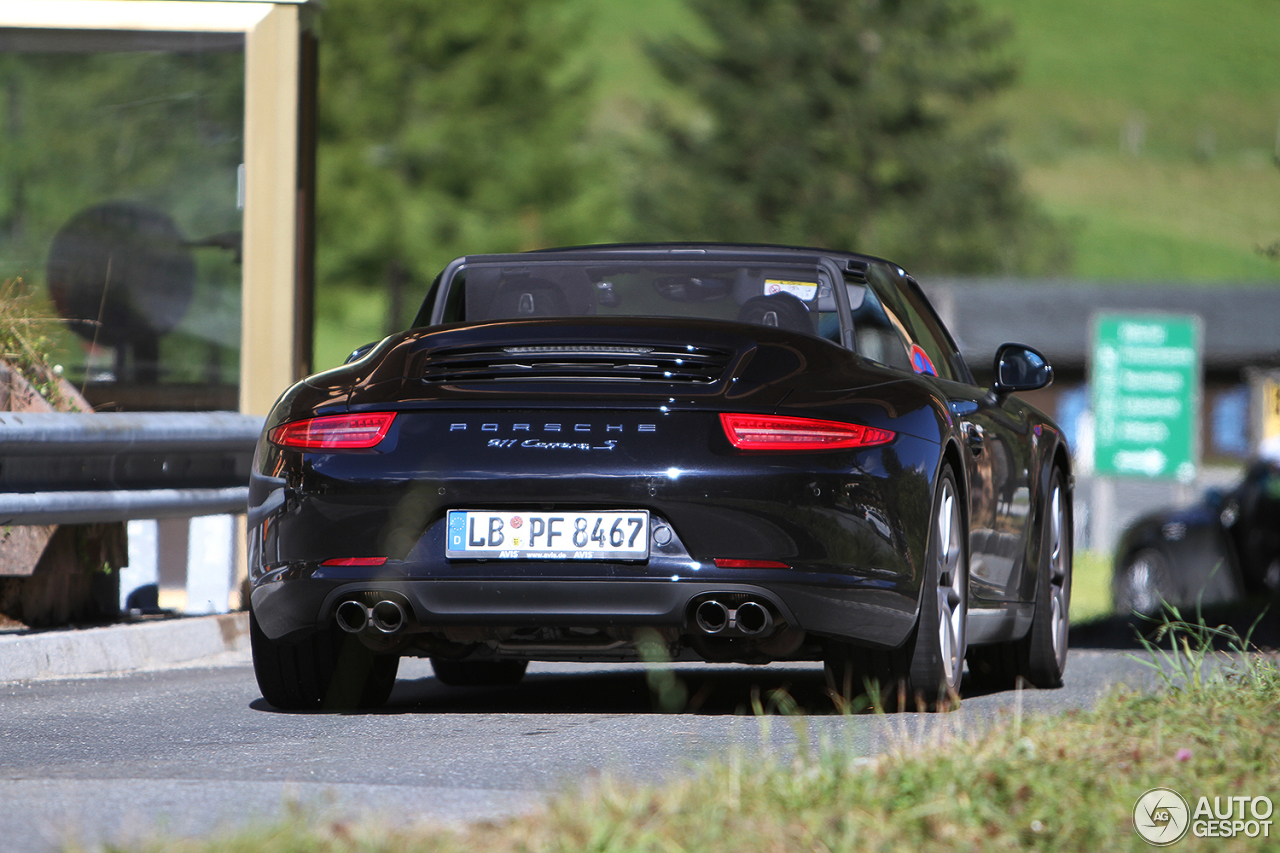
{"points": [[525, 296], [781, 310]]}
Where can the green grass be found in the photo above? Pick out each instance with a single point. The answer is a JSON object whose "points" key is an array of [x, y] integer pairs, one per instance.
{"points": [[1148, 219], [1059, 783], [1182, 63], [1199, 193], [1090, 586], [346, 319]]}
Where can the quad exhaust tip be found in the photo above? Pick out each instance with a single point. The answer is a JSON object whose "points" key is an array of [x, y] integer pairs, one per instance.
{"points": [[712, 617], [352, 617], [751, 618], [385, 616]]}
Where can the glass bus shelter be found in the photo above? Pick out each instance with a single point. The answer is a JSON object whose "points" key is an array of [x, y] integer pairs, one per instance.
{"points": [[156, 188]]}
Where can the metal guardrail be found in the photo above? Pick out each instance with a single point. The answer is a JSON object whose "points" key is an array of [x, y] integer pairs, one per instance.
{"points": [[115, 466]]}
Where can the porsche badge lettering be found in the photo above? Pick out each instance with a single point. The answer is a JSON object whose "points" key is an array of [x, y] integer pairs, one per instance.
{"points": [[578, 428]]}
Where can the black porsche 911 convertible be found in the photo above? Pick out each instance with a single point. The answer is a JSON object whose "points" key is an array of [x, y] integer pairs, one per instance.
{"points": [[726, 453]]}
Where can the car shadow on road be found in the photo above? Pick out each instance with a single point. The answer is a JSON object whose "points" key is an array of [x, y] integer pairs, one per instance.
{"points": [[700, 691], [1257, 619], [674, 690]]}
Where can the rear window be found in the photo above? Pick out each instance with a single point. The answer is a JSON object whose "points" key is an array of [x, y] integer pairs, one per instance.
{"points": [[796, 297]]}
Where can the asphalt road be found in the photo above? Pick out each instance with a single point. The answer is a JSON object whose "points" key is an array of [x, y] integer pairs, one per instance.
{"points": [[194, 750]]}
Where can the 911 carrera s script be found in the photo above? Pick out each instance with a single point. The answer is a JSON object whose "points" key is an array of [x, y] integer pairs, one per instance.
{"points": [[536, 444]]}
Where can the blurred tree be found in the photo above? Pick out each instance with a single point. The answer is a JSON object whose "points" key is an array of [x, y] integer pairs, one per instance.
{"points": [[845, 124], [448, 128]]}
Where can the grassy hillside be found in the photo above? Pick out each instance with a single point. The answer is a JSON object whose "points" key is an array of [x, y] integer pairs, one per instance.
{"points": [[1152, 127], [1147, 127]]}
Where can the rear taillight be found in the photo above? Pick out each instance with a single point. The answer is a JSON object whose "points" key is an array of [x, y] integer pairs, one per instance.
{"points": [[778, 432], [334, 432]]}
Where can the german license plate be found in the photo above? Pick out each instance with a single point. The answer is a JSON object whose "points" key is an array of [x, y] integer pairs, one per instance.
{"points": [[560, 535]]}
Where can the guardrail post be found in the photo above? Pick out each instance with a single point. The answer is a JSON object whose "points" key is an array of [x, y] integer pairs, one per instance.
{"points": [[210, 563], [172, 547]]}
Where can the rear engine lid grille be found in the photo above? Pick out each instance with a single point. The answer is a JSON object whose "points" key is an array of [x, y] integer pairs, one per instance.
{"points": [[665, 363]]}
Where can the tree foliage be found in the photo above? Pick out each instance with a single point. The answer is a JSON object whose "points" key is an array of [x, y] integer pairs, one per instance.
{"points": [[445, 129], [846, 124]]}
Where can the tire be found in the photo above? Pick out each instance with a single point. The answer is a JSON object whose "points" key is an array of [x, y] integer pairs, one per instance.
{"points": [[479, 673], [329, 670], [1142, 584], [1040, 657], [929, 666]]}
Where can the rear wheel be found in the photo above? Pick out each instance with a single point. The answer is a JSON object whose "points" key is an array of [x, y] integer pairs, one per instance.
{"points": [[479, 673], [1142, 583], [929, 666], [1040, 657], [329, 670], [937, 661]]}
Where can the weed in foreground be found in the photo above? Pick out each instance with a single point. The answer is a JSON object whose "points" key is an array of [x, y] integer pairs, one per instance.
{"points": [[1199, 655], [1053, 783]]}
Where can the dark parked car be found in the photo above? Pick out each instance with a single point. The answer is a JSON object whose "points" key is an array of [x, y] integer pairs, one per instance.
{"points": [[1214, 552], [730, 453]]}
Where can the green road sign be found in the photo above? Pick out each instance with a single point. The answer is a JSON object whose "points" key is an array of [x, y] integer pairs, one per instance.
{"points": [[1145, 382]]}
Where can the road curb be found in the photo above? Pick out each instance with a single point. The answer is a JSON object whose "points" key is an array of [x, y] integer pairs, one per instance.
{"points": [[121, 648]]}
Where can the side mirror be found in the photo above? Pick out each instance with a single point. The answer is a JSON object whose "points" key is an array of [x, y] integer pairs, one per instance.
{"points": [[1020, 368]]}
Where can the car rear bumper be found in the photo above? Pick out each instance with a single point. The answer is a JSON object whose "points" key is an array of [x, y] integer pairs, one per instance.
{"points": [[293, 601]]}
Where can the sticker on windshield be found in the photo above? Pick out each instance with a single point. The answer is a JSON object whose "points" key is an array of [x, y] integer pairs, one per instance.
{"points": [[802, 290], [921, 362]]}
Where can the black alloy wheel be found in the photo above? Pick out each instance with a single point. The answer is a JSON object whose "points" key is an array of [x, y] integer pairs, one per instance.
{"points": [[937, 661], [1142, 583]]}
